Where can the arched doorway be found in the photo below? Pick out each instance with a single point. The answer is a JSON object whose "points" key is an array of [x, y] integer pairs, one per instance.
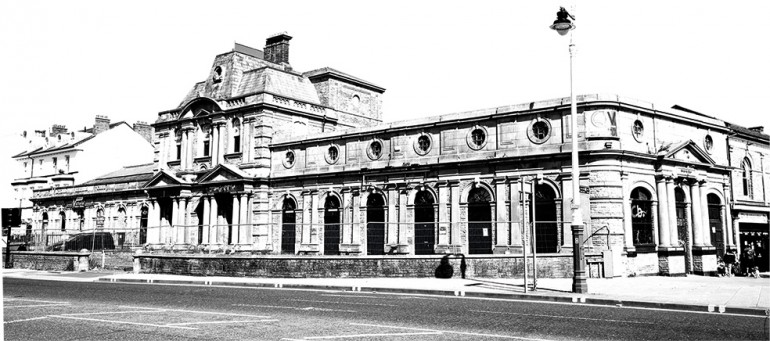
{"points": [[715, 223], [332, 226], [680, 205], [63, 220], [223, 228], [424, 224], [43, 228], [288, 226], [375, 227], [143, 225], [546, 225], [641, 217], [479, 221]]}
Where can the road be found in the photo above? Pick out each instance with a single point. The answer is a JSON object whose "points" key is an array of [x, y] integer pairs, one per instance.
{"points": [[48, 310]]}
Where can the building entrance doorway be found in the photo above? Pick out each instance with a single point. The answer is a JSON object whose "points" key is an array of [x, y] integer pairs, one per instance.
{"points": [[546, 225], [680, 206], [332, 226], [375, 227], [479, 221], [424, 222], [288, 227], [144, 213], [715, 223]]}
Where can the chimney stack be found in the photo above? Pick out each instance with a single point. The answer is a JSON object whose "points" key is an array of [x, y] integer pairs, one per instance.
{"points": [[57, 129], [143, 129], [277, 48], [101, 124], [758, 129]]}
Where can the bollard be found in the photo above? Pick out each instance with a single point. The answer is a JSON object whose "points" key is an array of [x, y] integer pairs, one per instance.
{"points": [[82, 263]]}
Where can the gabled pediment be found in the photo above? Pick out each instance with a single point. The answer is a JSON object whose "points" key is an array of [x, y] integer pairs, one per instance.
{"points": [[688, 152], [163, 179], [223, 172]]}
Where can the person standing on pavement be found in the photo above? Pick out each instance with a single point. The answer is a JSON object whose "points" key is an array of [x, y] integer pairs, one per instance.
{"points": [[729, 260], [748, 260]]}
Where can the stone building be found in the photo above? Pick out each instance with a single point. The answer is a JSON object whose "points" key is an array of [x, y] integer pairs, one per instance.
{"points": [[260, 158], [59, 157]]}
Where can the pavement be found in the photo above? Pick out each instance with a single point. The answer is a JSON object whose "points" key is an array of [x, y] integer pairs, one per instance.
{"points": [[743, 295]]}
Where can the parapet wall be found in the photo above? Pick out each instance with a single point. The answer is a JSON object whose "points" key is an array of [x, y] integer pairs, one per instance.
{"points": [[489, 266]]}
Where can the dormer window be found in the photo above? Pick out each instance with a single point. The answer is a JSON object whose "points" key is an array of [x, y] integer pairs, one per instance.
{"points": [[217, 74]]}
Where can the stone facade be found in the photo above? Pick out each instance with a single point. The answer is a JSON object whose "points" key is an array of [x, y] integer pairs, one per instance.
{"points": [[261, 159]]}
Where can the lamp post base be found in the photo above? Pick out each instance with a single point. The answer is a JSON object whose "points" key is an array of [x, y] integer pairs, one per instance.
{"points": [[579, 284]]}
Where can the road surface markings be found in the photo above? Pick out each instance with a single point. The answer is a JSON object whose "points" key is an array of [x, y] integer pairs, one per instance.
{"points": [[122, 322], [351, 295], [365, 335], [35, 305], [200, 312], [294, 308], [28, 300], [339, 302], [30, 319], [450, 332], [560, 316], [115, 312], [216, 322]]}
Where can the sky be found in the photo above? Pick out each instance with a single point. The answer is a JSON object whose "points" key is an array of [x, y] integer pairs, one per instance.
{"points": [[67, 61]]}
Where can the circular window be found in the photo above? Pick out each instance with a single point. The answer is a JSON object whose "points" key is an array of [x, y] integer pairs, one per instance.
{"points": [[423, 144], [477, 138], [539, 131], [375, 150], [332, 154], [638, 130], [289, 159], [708, 143]]}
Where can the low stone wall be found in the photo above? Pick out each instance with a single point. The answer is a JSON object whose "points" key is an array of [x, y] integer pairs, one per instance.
{"points": [[115, 259], [489, 266], [50, 261]]}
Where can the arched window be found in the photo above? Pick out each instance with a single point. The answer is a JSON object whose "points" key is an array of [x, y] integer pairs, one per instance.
{"points": [[479, 221], [63, 220], [641, 216], [332, 225], [236, 135], [375, 227], [746, 168], [289, 226], [122, 218], [424, 220]]}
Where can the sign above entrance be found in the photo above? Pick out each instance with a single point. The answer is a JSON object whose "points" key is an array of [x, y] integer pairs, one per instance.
{"points": [[223, 188]]}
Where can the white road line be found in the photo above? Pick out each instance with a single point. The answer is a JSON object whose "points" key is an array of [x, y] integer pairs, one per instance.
{"points": [[368, 335], [560, 316], [34, 305], [294, 308], [351, 295], [339, 302], [28, 300], [215, 322], [451, 332], [200, 312], [115, 312], [30, 319], [121, 322]]}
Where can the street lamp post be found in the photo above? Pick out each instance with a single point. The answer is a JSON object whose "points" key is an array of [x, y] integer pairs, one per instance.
{"points": [[564, 25]]}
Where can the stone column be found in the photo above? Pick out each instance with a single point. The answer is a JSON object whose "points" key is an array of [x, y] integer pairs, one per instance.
{"points": [[444, 227], [737, 233], [672, 224], [655, 219], [688, 250], [402, 223], [346, 217], [514, 189], [454, 237], [355, 212], [627, 226], [183, 153], [727, 215], [214, 221], [172, 237], [306, 218], [206, 219], [663, 221], [391, 225], [501, 223], [315, 218], [153, 231], [697, 231], [214, 144], [244, 229], [235, 228]]}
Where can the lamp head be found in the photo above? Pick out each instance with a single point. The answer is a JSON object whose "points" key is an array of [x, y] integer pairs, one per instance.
{"points": [[563, 24]]}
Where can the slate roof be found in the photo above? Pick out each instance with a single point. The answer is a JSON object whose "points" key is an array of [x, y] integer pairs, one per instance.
{"points": [[62, 147], [135, 173], [281, 83], [747, 131]]}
